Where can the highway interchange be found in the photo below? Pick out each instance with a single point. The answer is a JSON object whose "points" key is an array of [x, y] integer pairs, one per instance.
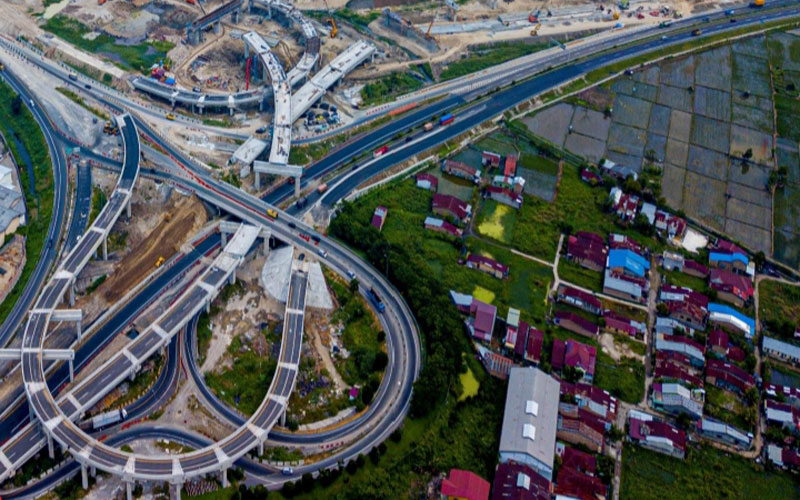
{"points": [[250, 209]]}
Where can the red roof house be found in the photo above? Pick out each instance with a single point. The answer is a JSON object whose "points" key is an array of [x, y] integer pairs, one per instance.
{"points": [[728, 376], [463, 484], [510, 166], [427, 181], [731, 287], [533, 347], [379, 217], [444, 204], [516, 481], [574, 323], [574, 484], [487, 265], [580, 299], [482, 316], [588, 250], [576, 355]]}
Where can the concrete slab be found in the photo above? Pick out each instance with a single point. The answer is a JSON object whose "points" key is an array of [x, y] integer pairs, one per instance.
{"points": [[276, 273], [317, 294]]}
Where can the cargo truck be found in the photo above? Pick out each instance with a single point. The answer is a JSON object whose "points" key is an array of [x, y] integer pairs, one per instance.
{"points": [[272, 213], [428, 127], [108, 418], [380, 151], [376, 300], [322, 188], [446, 119]]}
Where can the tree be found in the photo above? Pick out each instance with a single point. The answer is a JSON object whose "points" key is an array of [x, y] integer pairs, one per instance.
{"points": [[16, 105], [354, 285], [684, 421], [642, 224], [662, 309], [748, 154], [751, 396], [380, 361], [759, 259]]}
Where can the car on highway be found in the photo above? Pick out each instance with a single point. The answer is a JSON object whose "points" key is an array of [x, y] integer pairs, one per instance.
{"points": [[293, 225], [351, 274], [73, 77], [301, 257], [272, 213], [287, 471], [315, 237], [697, 32], [322, 253], [170, 116], [87, 87], [261, 129]]}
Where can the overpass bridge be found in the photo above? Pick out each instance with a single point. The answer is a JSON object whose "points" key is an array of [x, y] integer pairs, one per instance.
{"points": [[194, 30]]}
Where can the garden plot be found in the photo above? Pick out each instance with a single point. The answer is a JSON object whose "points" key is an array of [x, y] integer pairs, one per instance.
{"points": [[678, 73], [786, 47], [712, 103], [763, 103], [470, 156], [496, 221], [751, 74], [632, 111], [460, 188], [751, 175], [756, 118], [788, 112], [497, 142], [650, 75], [751, 46], [659, 120], [748, 213], [713, 69], [787, 225], [711, 134], [704, 199], [754, 195], [675, 97], [591, 123], [538, 184], [630, 161], [633, 88], [788, 156], [760, 143], [656, 147], [626, 140], [680, 125], [753, 237], [551, 123], [587, 147], [672, 185], [708, 163], [677, 153]]}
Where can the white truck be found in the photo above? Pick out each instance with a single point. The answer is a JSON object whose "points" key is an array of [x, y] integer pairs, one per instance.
{"points": [[108, 418]]}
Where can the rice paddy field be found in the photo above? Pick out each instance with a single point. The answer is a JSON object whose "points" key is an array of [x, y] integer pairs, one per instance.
{"points": [[709, 121]]}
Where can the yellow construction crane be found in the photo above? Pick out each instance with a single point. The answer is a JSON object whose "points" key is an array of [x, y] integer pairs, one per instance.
{"points": [[535, 30], [334, 29]]}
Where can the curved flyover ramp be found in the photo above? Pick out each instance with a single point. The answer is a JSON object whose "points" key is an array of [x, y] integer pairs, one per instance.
{"points": [[56, 418], [27, 442]]}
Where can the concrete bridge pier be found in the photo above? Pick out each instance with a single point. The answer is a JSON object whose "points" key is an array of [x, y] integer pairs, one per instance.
{"points": [[93, 471], [84, 477], [105, 248], [235, 15], [128, 208], [72, 292], [283, 417], [71, 365], [217, 27], [297, 186], [178, 487], [260, 449], [129, 490], [50, 450], [224, 477]]}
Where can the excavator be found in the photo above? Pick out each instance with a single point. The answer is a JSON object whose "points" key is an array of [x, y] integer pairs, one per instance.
{"points": [[331, 21], [435, 15], [535, 30]]}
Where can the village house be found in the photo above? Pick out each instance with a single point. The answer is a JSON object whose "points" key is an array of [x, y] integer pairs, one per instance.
{"points": [[573, 354], [579, 427], [442, 226], [724, 433], [579, 299], [464, 485], [446, 205], [731, 287], [462, 170], [729, 376], [731, 319], [576, 324], [504, 196], [481, 320], [587, 250], [379, 217], [658, 436], [675, 399], [427, 181], [516, 481], [625, 205], [487, 265], [782, 351]]}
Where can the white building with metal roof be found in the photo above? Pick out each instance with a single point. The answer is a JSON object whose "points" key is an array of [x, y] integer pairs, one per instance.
{"points": [[530, 420]]}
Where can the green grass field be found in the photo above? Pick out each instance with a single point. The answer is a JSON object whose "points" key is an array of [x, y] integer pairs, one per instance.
{"points": [[139, 57], [486, 56], [469, 384], [496, 221], [705, 474], [778, 302], [40, 206]]}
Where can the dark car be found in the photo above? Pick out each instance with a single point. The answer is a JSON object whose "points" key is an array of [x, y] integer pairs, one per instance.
{"points": [[302, 256], [87, 87], [293, 225], [261, 130], [315, 237]]}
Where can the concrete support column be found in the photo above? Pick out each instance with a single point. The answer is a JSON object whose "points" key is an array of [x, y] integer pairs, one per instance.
{"points": [[231, 111], [72, 293], [224, 477], [283, 418], [80, 328], [297, 187], [93, 471], [128, 490], [128, 208], [232, 280], [217, 27], [105, 248], [260, 449], [265, 247], [84, 478], [224, 238], [200, 108], [132, 374], [71, 372], [258, 180], [208, 307], [50, 450], [178, 487]]}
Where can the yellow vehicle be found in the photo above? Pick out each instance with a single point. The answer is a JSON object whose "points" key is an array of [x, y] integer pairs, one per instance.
{"points": [[170, 116], [2, 67], [272, 213], [159, 262]]}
